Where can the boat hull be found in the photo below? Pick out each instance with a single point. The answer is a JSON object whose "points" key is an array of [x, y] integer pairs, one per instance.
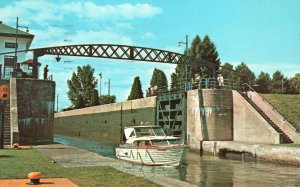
{"points": [[153, 156]]}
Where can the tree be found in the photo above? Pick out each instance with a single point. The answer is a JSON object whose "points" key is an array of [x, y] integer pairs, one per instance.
{"points": [[295, 83], [175, 84], [278, 82], [106, 99], [82, 85], [205, 50], [227, 71], [79, 102], [243, 75], [160, 80], [264, 82], [94, 99], [208, 51], [136, 90]]}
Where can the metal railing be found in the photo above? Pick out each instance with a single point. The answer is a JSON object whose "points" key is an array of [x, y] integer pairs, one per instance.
{"points": [[271, 107], [205, 83]]}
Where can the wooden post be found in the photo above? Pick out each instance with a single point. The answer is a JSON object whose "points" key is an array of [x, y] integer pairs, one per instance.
{"points": [[35, 65]]}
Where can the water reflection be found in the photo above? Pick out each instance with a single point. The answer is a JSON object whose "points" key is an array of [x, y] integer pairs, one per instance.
{"points": [[205, 170]]}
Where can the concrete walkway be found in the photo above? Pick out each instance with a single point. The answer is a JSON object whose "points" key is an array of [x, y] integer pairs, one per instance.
{"points": [[69, 156]]}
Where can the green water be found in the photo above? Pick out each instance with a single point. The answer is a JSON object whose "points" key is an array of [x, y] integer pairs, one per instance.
{"points": [[204, 170]]}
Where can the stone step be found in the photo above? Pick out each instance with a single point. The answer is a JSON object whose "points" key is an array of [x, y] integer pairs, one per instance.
{"points": [[285, 137]]}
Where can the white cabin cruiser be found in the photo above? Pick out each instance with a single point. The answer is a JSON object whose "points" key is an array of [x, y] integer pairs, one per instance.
{"points": [[149, 145]]}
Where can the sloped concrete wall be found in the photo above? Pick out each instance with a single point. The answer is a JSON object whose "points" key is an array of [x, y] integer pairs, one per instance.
{"points": [[248, 125], [209, 116], [103, 123], [284, 125]]}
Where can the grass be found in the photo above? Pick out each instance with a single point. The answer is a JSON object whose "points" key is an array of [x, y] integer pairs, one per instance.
{"points": [[18, 163], [287, 105], [288, 145]]}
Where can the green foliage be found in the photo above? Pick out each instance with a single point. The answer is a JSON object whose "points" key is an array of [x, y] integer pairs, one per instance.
{"points": [[208, 52], [277, 82], [79, 103], [295, 83], [136, 90], [227, 71], [179, 76], [288, 105], [264, 83], [205, 50], [243, 75], [81, 86], [174, 82], [160, 80], [95, 99], [106, 99]]}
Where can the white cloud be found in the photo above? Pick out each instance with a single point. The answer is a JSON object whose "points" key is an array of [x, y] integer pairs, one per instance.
{"points": [[57, 36], [31, 11], [42, 11], [148, 35], [121, 11]]}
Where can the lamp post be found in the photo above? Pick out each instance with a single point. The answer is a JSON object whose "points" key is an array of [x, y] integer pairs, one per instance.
{"points": [[108, 83], [186, 49], [100, 76], [16, 44]]}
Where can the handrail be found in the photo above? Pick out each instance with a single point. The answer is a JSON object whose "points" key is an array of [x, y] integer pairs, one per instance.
{"points": [[204, 83], [248, 86], [271, 107]]}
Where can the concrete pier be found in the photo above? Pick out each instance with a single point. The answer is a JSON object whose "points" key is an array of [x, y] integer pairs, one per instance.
{"points": [[258, 151]]}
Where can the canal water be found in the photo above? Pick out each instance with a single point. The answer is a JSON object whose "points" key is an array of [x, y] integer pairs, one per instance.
{"points": [[205, 170]]}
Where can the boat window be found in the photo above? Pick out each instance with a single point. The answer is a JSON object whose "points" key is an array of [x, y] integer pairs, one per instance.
{"points": [[159, 132], [143, 143], [143, 132], [159, 142], [149, 132], [132, 134], [176, 142]]}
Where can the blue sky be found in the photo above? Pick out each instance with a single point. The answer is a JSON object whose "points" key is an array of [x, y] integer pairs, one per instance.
{"points": [[265, 34]]}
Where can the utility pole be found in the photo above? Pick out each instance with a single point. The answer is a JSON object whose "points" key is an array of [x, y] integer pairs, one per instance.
{"points": [[108, 87], [57, 103], [186, 49], [16, 47], [14, 74], [100, 76]]}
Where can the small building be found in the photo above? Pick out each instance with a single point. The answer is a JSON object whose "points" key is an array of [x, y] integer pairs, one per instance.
{"points": [[8, 44]]}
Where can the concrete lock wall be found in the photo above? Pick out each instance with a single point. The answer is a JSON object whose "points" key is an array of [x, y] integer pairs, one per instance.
{"points": [[209, 116], [32, 111], [103, 122], [249, 125]]}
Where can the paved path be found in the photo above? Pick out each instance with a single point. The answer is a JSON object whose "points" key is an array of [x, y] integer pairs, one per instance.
{"points": [[69, 156]]}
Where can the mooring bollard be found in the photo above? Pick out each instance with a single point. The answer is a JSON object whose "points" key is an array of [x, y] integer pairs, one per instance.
{"points": [[15, 145], [34, 178]]}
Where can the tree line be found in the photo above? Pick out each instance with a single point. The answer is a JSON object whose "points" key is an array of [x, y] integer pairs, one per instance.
{"points": [[83, 93]]}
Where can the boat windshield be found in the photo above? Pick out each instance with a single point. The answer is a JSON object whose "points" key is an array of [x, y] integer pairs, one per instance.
{"points": [[149, 131]]}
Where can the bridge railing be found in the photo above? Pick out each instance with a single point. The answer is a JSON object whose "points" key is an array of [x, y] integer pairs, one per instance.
{"points": [[205, 83]]}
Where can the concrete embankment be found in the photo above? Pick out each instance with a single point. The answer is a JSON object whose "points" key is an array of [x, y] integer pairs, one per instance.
{"points": [[259, 151], [69, 156]]}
